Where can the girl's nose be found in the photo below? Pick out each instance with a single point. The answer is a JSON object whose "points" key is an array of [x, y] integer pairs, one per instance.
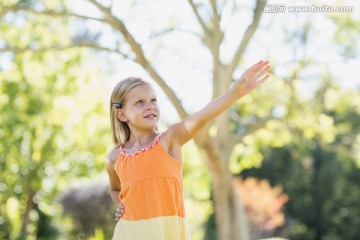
{"points": [[151, 105]]}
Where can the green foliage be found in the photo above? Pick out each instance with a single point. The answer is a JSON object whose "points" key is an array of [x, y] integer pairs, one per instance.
{"points": [[346, 35], [49, 107], [197, 190], [54, 128], [272, 106], [45, 227], [319, 173]]}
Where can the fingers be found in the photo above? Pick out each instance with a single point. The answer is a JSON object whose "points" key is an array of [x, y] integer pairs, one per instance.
{"points": [[257, 72], [262, 79], [253, 77], [119, 211], [258, 66], [118, 216], [263, 70], [263, 67]]}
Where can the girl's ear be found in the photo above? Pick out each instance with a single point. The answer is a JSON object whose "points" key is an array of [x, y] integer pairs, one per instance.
{"points": [[121, 116]]}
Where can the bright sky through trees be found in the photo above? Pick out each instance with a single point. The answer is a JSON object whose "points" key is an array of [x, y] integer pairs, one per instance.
{"points": [[186, 65]]}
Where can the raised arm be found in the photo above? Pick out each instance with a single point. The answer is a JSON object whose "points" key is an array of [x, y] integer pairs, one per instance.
{"points": [[185, 130]]}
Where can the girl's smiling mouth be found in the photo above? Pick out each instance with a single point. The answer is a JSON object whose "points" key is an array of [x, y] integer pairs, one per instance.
{"points": [[150, 116]]}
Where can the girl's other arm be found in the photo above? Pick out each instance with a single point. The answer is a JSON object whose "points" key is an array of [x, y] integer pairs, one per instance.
{"points": [[115, 185], [185, 130]]}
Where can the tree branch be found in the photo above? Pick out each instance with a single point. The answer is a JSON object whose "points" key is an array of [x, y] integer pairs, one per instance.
{"points": [[111, 5], [217, 35], [161, 33], [247, 36], [198, 17], [215, 39], [118, 25], [101, 7], [51, 13], [16, 50], [250, 128], [216, 16], [170, 30]]}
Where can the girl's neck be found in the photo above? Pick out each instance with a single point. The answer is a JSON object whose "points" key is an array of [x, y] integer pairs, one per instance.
{"points": [[140, 139]]}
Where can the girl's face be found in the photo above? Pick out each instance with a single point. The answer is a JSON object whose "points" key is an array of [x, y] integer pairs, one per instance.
{"points": [[140, 109]]}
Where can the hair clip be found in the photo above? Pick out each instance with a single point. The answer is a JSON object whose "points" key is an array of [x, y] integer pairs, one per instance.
{"points": [[117, 105]]}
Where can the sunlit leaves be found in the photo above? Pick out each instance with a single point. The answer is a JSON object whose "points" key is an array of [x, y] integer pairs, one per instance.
{"points": [[48, 105], [347, 34]]}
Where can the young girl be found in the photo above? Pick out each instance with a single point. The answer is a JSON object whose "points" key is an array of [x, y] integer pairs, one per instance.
{"points": [[145, 166]]}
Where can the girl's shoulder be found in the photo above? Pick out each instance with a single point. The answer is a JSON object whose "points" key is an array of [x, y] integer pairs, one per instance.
{"points": [[173, 149], [165, 138], [113, 155]]}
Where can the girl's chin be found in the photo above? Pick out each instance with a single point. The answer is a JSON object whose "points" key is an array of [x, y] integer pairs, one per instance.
{"points": [[151, 120], [151, 126]]}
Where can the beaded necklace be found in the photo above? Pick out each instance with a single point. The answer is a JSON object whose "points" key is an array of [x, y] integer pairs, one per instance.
{"points": [[141, 150]]}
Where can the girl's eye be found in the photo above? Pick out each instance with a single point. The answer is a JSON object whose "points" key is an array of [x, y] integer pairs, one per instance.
{"points": [[139, 102], [154, 100]]}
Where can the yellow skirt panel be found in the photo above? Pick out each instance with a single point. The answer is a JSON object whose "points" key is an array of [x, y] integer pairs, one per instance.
{"points": [[159, 228]]}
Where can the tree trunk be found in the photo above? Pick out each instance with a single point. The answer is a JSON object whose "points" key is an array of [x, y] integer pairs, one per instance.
{"points": [[231, 221], [25, 219]]}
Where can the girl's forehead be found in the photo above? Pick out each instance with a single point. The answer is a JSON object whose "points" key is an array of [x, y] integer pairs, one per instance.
{"points": [[141, 91]]}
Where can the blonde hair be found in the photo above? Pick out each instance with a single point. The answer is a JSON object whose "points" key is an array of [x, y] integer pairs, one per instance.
{"points": [[120, 130]]}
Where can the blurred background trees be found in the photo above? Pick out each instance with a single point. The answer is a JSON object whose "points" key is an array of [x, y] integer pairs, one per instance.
{"points": [[295, 141], [319, 169]]}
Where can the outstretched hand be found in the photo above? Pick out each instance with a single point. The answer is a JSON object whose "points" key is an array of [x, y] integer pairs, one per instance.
{"points": [[252, 78]]}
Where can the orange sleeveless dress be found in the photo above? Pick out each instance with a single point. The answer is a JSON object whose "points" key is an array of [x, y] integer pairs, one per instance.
{"points": [[152, 192]]}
